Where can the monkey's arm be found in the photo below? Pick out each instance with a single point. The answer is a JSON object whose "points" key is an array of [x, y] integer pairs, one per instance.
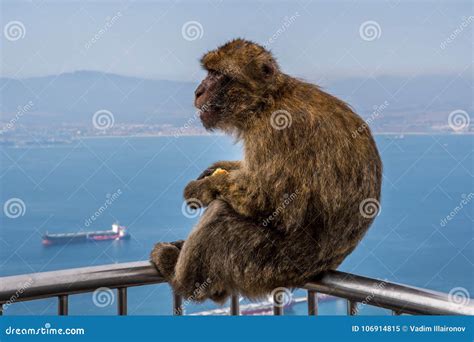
{"points": [[223, 164], [238, 189]]}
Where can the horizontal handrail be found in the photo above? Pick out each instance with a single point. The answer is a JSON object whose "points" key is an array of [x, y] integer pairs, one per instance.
{"points": [[396, 297], [77, 280]]}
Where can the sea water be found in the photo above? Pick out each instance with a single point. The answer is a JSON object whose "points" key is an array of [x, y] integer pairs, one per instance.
{"points": [[427, 178]]}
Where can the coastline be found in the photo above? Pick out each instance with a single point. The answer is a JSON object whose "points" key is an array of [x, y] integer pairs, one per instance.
{"points": [[73, 140], [222, 134]]}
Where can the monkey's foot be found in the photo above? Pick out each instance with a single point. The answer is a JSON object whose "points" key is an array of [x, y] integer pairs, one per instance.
{"points": [[165, 255], [219, 296]]}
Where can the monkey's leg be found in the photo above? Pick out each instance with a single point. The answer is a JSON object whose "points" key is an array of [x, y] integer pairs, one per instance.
{"points": [[229, 254]]}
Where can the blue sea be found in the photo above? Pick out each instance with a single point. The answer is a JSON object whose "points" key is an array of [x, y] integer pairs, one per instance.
{"points": [[425, 179]]}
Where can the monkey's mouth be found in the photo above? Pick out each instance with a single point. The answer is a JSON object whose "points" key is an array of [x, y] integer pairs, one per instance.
{"points": [[208, 117]]}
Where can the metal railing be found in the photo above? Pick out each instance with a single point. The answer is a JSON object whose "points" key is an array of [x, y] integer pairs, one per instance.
{"points": [[357, 290]]}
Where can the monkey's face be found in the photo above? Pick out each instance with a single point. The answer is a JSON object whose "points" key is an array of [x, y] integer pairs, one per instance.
{"points": [[209, 96], [242, 76], [226, 102]]}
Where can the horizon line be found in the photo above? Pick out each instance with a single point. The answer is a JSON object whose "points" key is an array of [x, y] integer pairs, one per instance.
{"points": [[336, 77]]}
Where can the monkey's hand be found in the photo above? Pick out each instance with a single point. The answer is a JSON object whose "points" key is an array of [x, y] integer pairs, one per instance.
{"points": [[224, 164], [236, 188], [220, 171], [199, 193]]}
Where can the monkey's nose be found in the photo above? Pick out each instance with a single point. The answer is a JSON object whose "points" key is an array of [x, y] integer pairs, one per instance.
{"points": [[199, 91]]}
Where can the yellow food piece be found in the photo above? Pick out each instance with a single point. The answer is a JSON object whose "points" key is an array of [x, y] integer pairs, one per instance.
{"points": [[219, 171]]}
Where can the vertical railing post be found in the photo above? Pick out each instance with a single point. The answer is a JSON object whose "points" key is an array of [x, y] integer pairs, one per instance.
{"points": [[122, 301], [277, 304], [234, 305], [312, 303], [177, 305], [63, 305], [351, 308]]}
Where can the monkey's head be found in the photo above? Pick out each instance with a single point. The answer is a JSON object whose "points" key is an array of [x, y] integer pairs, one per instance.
{"points": [[242, 78]]}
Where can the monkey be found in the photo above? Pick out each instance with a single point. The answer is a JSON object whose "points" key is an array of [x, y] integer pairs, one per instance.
{"points": [[293, 206]]}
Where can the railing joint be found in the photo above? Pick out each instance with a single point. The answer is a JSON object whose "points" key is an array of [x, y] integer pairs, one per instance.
{"points": [[278, 303], [122, 301], [63, 302], [177, 304], [312, 303], [351, 307], [234, 305]]}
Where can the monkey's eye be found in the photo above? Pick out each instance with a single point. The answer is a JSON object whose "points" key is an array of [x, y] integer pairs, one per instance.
{"points": [[268, 70]]}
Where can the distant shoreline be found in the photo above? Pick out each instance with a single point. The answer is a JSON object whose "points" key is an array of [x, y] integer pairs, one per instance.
{"points": [[222, 134], [19, 144]]}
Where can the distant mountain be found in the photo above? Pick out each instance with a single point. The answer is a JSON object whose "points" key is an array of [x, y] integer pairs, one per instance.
{"points": [[426, 91], [75, 97]]}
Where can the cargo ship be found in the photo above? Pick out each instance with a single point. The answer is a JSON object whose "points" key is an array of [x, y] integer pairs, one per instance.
{"points": [[116, 233]]}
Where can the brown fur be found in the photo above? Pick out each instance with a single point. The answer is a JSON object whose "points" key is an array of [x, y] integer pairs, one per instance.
{"points": [[309, 177]]}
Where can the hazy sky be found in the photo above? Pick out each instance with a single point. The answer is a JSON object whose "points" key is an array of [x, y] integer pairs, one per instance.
{"points": [[312, 39]]}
